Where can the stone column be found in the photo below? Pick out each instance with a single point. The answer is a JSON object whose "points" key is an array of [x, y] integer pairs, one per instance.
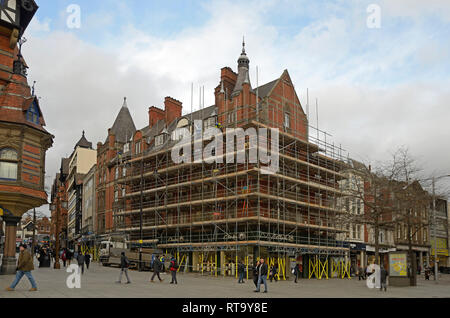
{"points": [[9, 253], [428, 259]]}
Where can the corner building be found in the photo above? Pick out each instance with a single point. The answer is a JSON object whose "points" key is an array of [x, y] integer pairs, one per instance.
{"points": [[23, 138], [211, 216]]}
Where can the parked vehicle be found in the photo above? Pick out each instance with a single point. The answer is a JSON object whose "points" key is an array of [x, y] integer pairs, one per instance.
{"points": [[111, 250]]}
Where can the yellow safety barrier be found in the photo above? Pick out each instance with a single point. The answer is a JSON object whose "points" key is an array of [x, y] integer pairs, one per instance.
{"points": [[346, 270], [181, 262], [281, 268], [313, 267], [323, 268]]}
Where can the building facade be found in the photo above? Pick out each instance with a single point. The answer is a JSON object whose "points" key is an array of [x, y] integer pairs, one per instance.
{"points": [[23, 138], [88, 207], [83, 158], [439, 232], [215, 214]]}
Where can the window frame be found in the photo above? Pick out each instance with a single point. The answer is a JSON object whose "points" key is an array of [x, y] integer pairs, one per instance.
{"points": [[10, 161]]}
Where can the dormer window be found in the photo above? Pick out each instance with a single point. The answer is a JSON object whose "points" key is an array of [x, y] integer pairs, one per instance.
{"points": [[159, 140], [33, 113], [210, 122]]}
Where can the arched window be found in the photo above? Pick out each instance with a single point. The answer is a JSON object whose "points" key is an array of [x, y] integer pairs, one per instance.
{"points": [[8, 164]]}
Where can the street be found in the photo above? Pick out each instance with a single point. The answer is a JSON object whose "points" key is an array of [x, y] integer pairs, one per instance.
{"points": [[99, 282]]}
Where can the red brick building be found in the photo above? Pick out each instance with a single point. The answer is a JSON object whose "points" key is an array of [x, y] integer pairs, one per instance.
{"points": [[23, 138], [213, 215]]}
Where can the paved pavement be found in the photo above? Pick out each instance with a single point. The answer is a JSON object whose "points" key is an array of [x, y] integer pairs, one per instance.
{"points": [[99, 281]]}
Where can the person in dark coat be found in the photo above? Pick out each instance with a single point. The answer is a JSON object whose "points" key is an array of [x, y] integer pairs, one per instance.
{"points": [[296, 272], [124, 264], [157, 267], [262, 270], [241, 272], [81, 259], [255, 274], [87, 260], [361, 275], [383, 278], [173, 270], [69, 256], [273, 273], [64, 256], [44, 259]]}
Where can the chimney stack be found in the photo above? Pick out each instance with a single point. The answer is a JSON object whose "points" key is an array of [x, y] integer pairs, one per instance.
{"points": [[173, 109]]}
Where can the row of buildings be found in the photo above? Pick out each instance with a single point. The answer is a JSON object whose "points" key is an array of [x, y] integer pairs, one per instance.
{"points": [[218, 213]]}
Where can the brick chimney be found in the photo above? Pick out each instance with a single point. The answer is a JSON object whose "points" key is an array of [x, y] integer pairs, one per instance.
{"points": [[173, 109], [154, 115]]}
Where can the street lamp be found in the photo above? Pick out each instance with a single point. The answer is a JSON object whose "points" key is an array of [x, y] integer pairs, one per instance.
{"points": [[434, 223]]}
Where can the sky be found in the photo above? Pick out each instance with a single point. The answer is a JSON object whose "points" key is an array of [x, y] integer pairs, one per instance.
{"points": [[381, 76]]}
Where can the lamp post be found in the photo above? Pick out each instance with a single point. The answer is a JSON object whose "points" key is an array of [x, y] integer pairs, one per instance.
{"points": [[434, 223]]}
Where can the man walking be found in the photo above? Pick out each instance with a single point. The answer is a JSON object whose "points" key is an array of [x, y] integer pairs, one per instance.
{"points": [[81, 259], [296, 272], [173, 270], [124, 264], [262, 270], [241, 272], [87, 260], [383, 277], [255, 274], [157, 266], [24, 267], [273, 273]]}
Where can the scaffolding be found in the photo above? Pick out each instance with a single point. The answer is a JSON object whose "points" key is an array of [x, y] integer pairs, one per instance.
{"points": [[213, 216]]}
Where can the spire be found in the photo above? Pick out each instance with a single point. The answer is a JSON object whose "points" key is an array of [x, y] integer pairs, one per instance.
{"points": [[243, 71], [125, 105]]}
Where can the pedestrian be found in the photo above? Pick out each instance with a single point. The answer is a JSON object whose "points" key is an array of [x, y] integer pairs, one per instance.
{"points": [[427, 273], [262, 270], [383, 278], [63, 256], [360, 273], [173, 269], [419, 270], [241, 272], [163, 266], [80, 258], [157, 267], [69, 256], [24, 267], [44, 259], [87, 260], [124, 264], [273, 273], [296, 272], [255, 274]]}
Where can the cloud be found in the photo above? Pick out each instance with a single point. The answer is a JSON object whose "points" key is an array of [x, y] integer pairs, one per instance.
{"points": [[377, 89]]}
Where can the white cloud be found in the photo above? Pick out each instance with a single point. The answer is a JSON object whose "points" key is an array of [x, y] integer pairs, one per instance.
{"points": [[82, 85]]}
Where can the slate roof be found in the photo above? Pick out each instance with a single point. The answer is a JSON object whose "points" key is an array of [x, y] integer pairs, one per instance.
{"points": [[150, 133], [265, 89], [83, 143], [123, 127]]}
